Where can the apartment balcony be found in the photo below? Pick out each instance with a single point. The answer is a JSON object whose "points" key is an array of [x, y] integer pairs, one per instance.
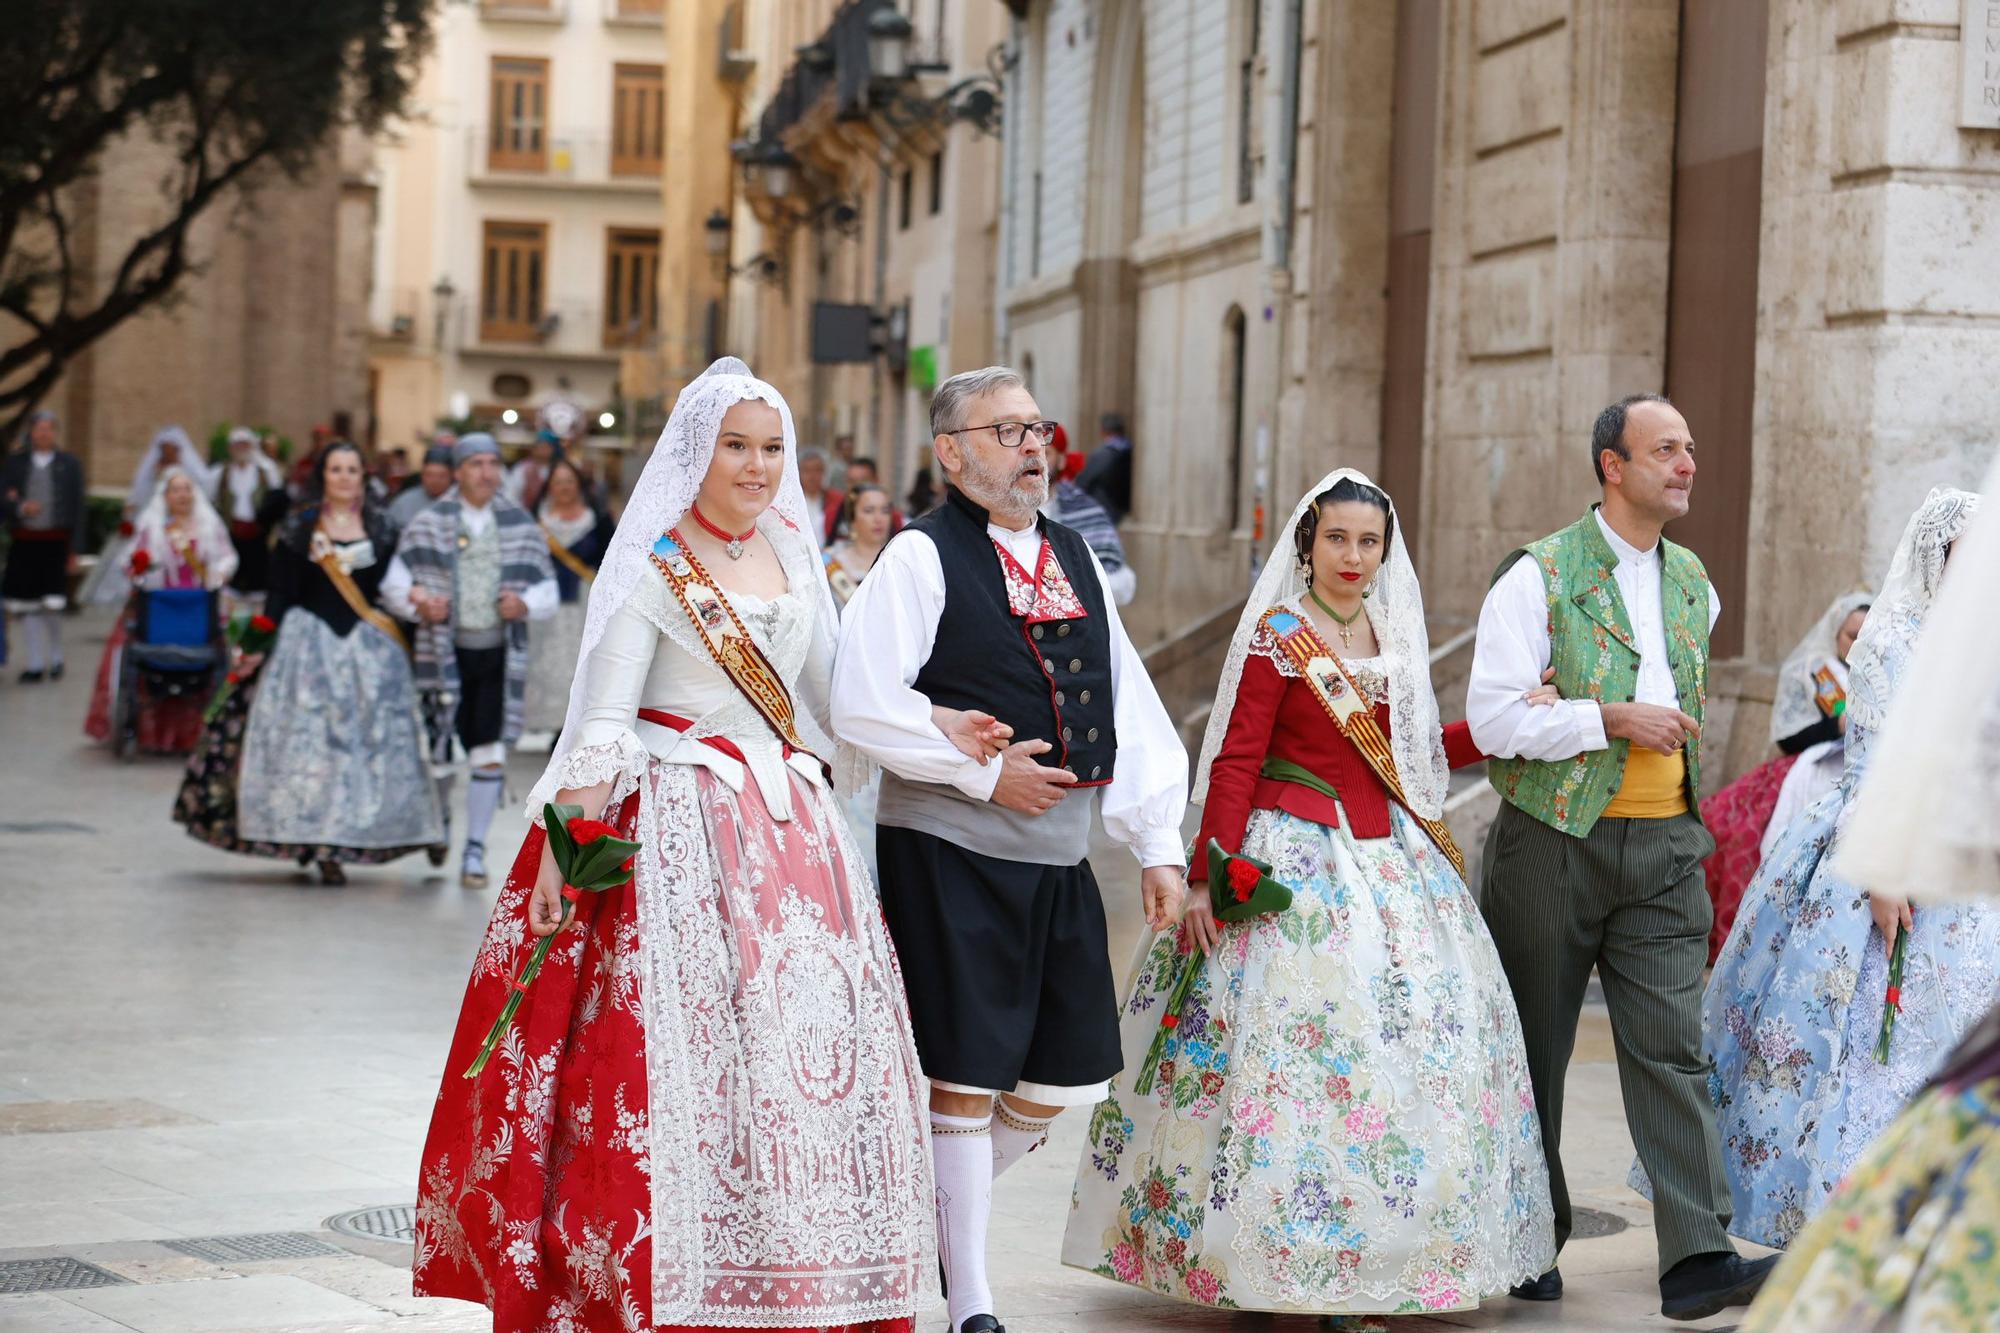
{"points": [[529, 157], [634, 13], [615, 13], [571, 331], [524, 11]]}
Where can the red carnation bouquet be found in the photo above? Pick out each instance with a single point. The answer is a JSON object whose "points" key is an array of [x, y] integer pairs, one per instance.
{"points": [[591, 858], [142, 560], [253, 634], [1239, 888]]}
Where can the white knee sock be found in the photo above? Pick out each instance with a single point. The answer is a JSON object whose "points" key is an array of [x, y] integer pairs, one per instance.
{"points": [[52, 636], [34, 650], [482, 799], [1015, 1135], [963, 1150]]}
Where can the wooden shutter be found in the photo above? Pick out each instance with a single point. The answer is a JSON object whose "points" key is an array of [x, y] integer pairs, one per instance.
{"points": [[518, 135], [513, 268], [631, 286], [638, 119]]}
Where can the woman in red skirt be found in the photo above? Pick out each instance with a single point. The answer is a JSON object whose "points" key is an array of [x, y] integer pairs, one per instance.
{"points": [[707, 1112]]}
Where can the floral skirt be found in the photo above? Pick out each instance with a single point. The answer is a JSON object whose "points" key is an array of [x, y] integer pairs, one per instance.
{"points": [[707, 1111], [1343, 1120], [1737, 816], [1908, 1240], [1791, 1017]]}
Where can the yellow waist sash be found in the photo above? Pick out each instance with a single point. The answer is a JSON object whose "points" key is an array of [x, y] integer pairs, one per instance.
{"points": [[1654, 786]]}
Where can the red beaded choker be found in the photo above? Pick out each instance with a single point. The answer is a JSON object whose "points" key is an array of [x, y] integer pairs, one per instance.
{"points": [[733, 545]]}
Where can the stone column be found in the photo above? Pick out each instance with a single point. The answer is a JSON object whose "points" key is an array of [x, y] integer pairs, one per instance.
{"points": [[1879, 310]]}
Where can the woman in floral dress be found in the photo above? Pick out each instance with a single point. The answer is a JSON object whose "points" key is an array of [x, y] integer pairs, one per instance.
{"points": [[708, 1111], [1794, 1007], [1343, 1120]]}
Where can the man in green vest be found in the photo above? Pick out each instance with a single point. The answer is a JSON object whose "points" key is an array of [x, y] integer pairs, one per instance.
{"points": [[1595, 858]]}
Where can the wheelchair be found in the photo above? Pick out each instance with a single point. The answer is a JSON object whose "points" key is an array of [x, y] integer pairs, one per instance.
{"points": [[174, 658]]}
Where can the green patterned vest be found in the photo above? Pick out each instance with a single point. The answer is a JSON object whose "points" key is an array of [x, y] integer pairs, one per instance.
{"points": [[1595, 657]]}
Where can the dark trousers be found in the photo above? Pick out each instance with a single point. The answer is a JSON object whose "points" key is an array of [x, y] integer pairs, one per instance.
{"points": [[1628, 900]]}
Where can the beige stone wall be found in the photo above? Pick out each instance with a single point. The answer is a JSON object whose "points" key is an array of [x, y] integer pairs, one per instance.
{"points": [[1879, 318], [1549, 266], [254, 333]]}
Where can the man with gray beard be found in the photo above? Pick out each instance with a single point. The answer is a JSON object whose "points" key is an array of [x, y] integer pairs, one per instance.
{"points": [[985, 606]]}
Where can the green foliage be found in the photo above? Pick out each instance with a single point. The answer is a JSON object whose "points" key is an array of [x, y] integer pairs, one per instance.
{"points": [[231, 89]]}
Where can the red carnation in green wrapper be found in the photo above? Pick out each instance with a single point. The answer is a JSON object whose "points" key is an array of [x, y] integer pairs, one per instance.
{"points": [[1892, 999], [1239, 888], [253, 634], [591, 858]]}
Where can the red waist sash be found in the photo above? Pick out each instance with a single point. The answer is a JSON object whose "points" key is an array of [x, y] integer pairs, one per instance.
{"points": [[675, 722]]}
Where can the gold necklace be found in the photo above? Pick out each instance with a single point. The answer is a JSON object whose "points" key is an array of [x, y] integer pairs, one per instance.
{"points": [[1345, 622]]}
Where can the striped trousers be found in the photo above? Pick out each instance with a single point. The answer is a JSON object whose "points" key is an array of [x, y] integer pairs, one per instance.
{"points": [[1628, 900]]}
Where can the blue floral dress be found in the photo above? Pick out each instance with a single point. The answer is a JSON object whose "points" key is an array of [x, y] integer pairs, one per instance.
{"points": [[1343, 1121], [1794, 1008]]}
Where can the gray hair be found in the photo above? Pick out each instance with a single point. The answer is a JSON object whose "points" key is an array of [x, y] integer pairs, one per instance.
{"points": [[955, 396], [813, 451]]}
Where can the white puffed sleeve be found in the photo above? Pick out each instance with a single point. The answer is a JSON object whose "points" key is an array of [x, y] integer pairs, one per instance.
{"points": [[605, 747]]}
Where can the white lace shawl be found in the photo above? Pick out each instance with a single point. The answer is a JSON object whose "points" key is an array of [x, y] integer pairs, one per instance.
{"points": [[210, 533], [1915, 572], [1395, 609], [665, 491], [1796, 706], [1926, 820]]}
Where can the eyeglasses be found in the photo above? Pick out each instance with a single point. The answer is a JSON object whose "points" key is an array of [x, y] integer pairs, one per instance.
{"points": [[1012, 433]]}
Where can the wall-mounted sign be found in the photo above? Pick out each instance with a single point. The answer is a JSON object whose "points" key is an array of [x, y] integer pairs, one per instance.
{"points": [[1979, 65]]}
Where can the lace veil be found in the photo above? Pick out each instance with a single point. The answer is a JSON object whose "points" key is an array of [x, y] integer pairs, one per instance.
{"points": [[211, 535], [1926, 821], [1395, 610], [665, 491], [147, 479], [1915, 571], [1796, 706]]}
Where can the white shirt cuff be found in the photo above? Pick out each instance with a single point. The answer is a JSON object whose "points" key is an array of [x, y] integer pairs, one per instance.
{"points": [[1160, 847], [1590, 724], [978, 780]]}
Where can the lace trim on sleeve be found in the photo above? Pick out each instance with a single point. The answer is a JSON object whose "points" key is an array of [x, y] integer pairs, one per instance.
{"points": [[620, 762], [1264, 644]]}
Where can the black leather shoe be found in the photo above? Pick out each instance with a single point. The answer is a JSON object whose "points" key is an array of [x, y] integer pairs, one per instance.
{"points": [[1706, 1284], [55, 672], [31, 677], [982, 1323], [1547, 1287]]}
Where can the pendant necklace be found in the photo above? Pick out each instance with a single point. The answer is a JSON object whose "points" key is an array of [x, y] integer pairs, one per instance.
{"points": [[1345, 622], [733, 546]]}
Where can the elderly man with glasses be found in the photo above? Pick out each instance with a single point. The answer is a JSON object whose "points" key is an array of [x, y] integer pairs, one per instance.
{"points": [[985, 606]]}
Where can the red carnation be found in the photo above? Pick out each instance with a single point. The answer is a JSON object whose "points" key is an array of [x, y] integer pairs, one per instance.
{"points": [[1243, 877], [585, 831], [142, 560], [125, 527], [263, 624]]}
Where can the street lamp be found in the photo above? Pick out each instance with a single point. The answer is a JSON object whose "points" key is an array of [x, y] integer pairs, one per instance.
{"points": [[779, 168], [889, 36], [715, 235], [441, 293]]}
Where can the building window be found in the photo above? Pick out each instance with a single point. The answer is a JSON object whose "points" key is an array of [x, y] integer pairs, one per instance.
{"points": [[638, 119], [641, 8], [903, 191], [1246, 74], [937, 182], [515, 260], [518, 138], [631, 286], [1235, 347]]}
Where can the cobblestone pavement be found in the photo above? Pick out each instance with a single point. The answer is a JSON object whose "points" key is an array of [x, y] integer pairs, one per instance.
{"points": [[200, 1046]]}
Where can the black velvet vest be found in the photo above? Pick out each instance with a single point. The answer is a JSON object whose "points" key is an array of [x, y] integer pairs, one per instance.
{"points": [[1049, 680]]}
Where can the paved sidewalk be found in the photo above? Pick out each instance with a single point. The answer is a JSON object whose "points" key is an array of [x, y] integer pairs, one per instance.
{"points": [[201, 1046]]}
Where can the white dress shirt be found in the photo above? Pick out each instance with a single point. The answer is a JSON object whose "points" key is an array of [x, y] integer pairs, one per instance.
{"points": [[1512, 652], [886, 636], [542, 599]]}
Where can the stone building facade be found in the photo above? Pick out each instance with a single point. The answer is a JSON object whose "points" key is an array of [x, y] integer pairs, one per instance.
{"points": [[265, 329], [1431, 239]]}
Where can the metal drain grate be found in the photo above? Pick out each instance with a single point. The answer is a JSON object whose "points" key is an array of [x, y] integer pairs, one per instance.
{"points": [[258, 1245], [1591, 1223], [395, 1222], [57, 1273]]}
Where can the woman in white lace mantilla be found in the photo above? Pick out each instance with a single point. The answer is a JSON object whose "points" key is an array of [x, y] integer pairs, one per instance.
{"points": [[708, 1111], [1343, 1121]]}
